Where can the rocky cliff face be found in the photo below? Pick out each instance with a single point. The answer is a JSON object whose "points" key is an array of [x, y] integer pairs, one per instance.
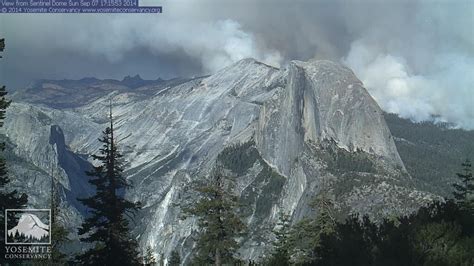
{"points": [[322, 101], [301, 129]]}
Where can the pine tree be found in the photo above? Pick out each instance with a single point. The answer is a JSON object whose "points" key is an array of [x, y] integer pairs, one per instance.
{"points": [[162, 259], [107, 227], [9, 199], [59, 234], [282, 248], [326, 218], [175, 259], [149, 258], [218, 221], [464, 190], [308, 233]]}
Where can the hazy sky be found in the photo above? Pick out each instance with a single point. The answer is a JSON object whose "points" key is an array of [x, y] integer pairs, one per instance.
{"points": [[415, 57]]}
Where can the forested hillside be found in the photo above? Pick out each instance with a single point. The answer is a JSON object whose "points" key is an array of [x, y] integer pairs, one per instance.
{"points": [[431, 152]]}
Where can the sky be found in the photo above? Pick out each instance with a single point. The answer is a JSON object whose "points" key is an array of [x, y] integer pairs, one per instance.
{"points": [[415, 57]]}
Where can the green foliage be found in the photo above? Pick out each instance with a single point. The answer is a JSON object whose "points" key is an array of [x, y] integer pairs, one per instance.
{"points": [[106, 228], [270, 191], [299, 244], [266, 188], [9, 199], [59, 234], [346, 161], [464, 190], [218, 221], [258, 197], [341, 161], [431, 152], [162, 259], [175, 259], [239, 157], [438, 234], [435, 235], [442, 244], [308, 234], [350, 244], [149, 258], [304, 238], [282, 245]]}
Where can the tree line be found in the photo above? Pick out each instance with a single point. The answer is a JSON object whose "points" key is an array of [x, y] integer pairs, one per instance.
{"points": [[441, 233]]}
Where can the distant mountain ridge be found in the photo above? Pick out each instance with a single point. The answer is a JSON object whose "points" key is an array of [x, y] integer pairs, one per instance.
{"points": [[69, 93]]}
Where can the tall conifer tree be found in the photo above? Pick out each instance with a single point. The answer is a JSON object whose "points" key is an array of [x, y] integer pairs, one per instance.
{"points": [[59, 234], [282, 247], [464, 190], [106, 228], [149, 258], [218, 221], [175, 259], [9, 199], [307, 234]]}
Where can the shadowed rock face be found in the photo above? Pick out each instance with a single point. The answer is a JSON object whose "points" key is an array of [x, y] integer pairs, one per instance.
{"points": [[308, 127]]}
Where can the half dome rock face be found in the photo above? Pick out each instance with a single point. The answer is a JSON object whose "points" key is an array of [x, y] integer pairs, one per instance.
{"points": [[322, 100], [296, 132]]}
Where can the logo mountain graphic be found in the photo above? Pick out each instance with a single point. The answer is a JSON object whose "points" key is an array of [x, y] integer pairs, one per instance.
{"points": [[30, 229]]}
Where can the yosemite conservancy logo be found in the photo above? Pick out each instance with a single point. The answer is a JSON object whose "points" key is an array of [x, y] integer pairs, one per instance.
{"points": [[27, 233], [32, 227]]}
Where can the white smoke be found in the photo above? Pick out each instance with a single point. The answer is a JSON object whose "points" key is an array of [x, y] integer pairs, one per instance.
{"points": [[416, 57], [446, 94], [214, 43]]}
